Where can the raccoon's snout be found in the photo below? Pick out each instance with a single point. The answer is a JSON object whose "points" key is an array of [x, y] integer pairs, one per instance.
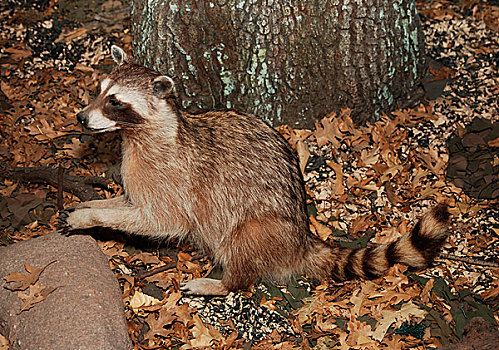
{"points": [[82, 118]]}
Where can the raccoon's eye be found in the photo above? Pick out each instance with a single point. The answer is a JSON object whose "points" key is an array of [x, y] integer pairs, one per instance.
{"points": [[115, 103]]}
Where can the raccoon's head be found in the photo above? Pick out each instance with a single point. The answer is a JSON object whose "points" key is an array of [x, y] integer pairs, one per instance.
{"points": [[131, 98]]}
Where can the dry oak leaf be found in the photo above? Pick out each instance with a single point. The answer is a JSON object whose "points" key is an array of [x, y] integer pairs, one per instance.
{"points": [[312, 306], [322, 231], [360, 335], [147, 258], [203, 336], [492, 292], [25, 280], [360, 297], [406, 312], [494, 143], [8, 90], [183, 313], [4, 343], [426, 293], [165, 318], [297, 140], [390, 173], [68, 37], [303, 155], [362, 223], [172, 299], [342, 338], [37, 293], [369, 156], [327, 131], [141, 303], [394, 343], [18, 54], [337, 185]]}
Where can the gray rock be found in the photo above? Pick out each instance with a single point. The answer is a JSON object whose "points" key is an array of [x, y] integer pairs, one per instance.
{"points": [[84, 312]]}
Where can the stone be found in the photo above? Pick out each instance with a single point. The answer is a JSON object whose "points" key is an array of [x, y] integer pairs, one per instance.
{"points": [[84, 312]]}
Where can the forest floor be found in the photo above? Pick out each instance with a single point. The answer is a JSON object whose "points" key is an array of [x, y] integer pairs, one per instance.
{"points": [[366, 184]]}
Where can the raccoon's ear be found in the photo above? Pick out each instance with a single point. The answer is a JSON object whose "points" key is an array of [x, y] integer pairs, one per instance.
{"points": [[163, 86], [119, 56]]}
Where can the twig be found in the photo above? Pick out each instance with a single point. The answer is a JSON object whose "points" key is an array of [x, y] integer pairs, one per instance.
{"points": [[468, 260], [60, 177], [81, 187], [145, 274]]}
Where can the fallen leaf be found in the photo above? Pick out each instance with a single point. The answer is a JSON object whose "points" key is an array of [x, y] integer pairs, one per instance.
{"points": [[37, 293], [394, 343], [156, 324], [426, 293], [337, 184], [361, 223], [369, 157], [7, 90], [4, 343], [311, 306], [493, 291], [183, 313], [203, 336], [68, 37], [322, 231], [18, 54], [390, 173], [25, 280], [390, 193], [360, 334], [303, 155], [357, 300], [494, 142], [326, 130], [140, 301], [297, 140], [406, 312]]}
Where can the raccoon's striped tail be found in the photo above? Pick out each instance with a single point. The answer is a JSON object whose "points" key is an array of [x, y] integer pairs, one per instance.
{"points": [[416, 249]]}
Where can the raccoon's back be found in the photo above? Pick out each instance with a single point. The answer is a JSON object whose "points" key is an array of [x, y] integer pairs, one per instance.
{"points": [[242, 165]]}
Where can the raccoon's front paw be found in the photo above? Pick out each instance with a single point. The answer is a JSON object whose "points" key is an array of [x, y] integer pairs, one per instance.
{"points": [[75, 219]]}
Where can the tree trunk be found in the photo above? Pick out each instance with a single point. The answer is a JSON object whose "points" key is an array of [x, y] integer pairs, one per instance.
{"points": [[289, 62]]}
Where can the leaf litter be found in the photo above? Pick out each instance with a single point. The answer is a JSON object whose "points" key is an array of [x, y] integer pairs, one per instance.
{"points": [[365, 184]]}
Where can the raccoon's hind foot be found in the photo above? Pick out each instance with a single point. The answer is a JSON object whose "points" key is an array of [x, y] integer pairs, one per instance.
{"points": [[204, 286]]}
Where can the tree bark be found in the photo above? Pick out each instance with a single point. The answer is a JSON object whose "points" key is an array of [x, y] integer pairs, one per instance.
{"points": [[289, 62]]}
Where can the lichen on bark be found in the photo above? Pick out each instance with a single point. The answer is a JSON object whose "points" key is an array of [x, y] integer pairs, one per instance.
{"points": [[287, 61]]}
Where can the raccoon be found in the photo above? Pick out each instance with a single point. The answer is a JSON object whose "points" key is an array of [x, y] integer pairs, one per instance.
{"points": [[227, 182]]}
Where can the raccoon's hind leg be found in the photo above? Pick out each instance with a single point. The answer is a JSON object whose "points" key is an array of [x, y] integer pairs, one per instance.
{"points": [[270, 246], [234, 278]]}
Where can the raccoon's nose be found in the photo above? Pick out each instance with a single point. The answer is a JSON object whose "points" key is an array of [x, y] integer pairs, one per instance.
{"points": [[82, 118]]}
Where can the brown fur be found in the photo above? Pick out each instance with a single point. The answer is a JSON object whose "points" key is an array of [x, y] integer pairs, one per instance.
{"points": [[232, 185]]}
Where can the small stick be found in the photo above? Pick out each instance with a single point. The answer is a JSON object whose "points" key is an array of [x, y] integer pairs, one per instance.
{"points": [[145, 274], [468, 260], [60, 177]]}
